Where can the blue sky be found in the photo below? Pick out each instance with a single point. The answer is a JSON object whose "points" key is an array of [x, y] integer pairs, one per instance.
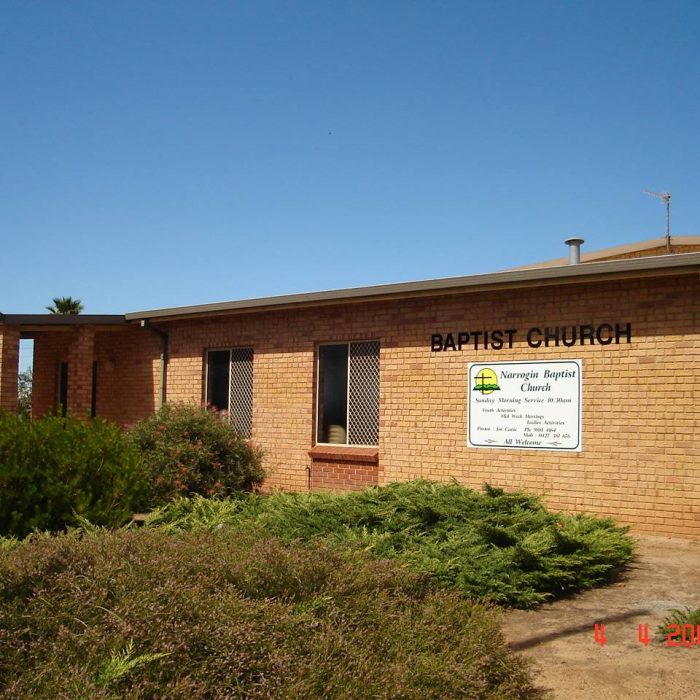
{"points": [[165, 153]]}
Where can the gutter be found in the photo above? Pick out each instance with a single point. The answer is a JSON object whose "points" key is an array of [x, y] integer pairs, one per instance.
{"points": [[163, 359]]}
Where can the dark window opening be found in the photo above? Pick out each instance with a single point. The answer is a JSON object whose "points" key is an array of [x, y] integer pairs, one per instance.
{"points": [[218, 373], [333, 394], [93, 401], [63, 388]]}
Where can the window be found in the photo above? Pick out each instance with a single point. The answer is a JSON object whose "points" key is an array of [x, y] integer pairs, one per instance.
{"points": [[348, 394], [230, 385]]}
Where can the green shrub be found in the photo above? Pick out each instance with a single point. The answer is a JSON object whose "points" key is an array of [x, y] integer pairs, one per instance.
{"points": [[147, 614], [684, 616], [500, 547], [53, 471], [188, 450]]}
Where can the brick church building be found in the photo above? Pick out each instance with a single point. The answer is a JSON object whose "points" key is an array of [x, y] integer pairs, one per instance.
{"points": [[578, 382]]}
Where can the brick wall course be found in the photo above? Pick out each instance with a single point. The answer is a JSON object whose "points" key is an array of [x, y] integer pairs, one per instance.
{"points": [[327, 475], [9, 367], [81, 351], [49, 350]]}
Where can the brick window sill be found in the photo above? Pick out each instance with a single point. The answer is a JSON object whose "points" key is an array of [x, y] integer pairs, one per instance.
{"points": [[345, 453]]}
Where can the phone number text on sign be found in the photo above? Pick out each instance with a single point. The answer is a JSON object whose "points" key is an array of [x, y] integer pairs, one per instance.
{"points": [[525, 405]]}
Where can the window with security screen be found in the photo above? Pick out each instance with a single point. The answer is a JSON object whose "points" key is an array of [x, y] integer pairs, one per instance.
{"points": [[230, 386], [348, 394]]}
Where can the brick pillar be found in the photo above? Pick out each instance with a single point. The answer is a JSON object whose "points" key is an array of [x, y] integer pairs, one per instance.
{"points": [[9, 367], [81, 353]]}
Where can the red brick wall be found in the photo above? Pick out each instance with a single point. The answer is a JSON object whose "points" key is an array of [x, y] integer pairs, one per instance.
{"points": [[343, 468], [127, 372], [81, 351], [328, 475], [9, 367], [50, 348]]}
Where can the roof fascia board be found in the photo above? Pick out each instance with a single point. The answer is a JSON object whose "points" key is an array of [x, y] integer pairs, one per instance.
{"points": [[635, 267]]}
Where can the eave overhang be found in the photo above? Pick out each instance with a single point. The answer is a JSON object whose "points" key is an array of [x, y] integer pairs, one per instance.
{"points": [[62, 319], [651, 266], [30, 324]]}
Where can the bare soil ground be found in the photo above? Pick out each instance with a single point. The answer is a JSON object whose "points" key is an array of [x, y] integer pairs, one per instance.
{"points": [[559, 637]]}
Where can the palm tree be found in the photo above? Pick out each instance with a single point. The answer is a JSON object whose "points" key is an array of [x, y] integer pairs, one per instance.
{"points": [[66, 306]]}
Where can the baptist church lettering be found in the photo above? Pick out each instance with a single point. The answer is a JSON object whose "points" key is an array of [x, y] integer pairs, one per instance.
{"points": [[536, 337]]}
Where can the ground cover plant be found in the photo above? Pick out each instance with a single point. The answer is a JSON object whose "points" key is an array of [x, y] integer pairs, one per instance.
{"points": [[675, 621], [55, 471], [141, 613], [492, 546], [189, 450]]}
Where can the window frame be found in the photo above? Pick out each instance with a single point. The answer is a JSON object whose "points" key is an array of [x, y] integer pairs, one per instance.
{"points": [[347, 343], [230, 349]]}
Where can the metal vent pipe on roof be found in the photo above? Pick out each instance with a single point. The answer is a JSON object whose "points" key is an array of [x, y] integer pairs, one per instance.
{"points": [[574, 250]]}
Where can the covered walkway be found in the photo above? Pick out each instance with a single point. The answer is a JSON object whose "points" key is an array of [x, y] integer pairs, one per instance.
{"points": [[75, 360]]}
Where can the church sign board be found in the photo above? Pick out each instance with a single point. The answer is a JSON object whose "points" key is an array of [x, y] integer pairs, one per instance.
{"points": [[525, 405]]}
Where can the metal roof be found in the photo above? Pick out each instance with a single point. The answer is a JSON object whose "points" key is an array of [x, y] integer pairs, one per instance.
{"points": [[641, 266], [619, 250]]}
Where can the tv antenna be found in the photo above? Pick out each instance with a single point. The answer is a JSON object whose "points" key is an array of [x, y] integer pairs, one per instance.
{"points": [[666, 198]]}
